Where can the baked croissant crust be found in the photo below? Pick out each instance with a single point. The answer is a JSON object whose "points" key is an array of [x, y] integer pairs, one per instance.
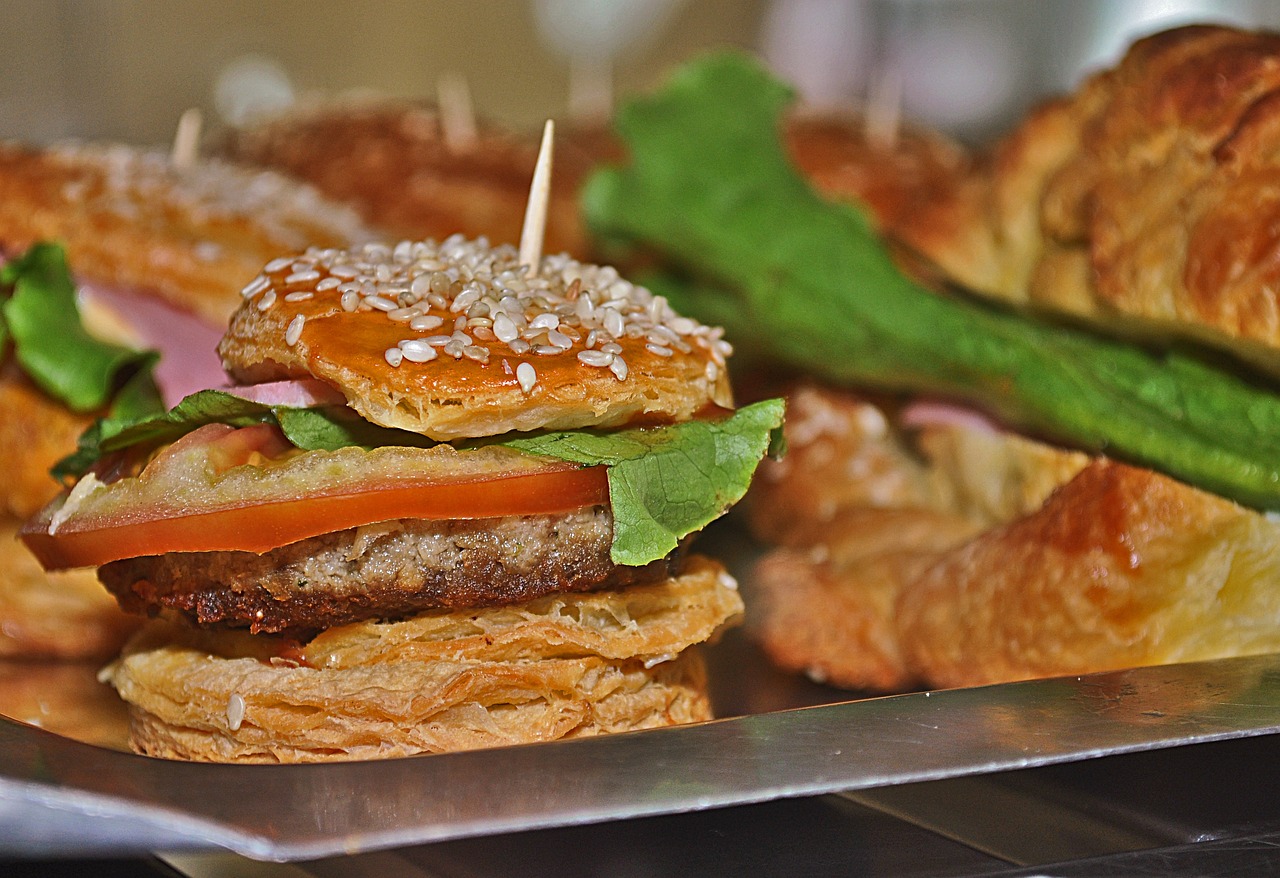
{"points": [[1146, 203], [1010, 559]]}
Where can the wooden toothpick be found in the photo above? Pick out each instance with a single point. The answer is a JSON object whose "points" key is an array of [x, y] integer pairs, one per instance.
{"points": [[186, 141], [457, 114], [535, 214], [884, 109]]}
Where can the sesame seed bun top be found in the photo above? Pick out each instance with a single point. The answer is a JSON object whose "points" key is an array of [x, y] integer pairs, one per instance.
{"points": [[453, 341]]}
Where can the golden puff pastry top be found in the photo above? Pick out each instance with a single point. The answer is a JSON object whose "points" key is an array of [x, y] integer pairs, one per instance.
{"points": [[456, 340], [1147, 202], [192, 234]]}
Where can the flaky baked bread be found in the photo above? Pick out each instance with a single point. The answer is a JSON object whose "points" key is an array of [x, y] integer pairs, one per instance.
{"points": [[572, 346], [65, 615], [1146, 202], [391, 159], [1006, 559], [35, 433], [560, 666], [193, 235]]}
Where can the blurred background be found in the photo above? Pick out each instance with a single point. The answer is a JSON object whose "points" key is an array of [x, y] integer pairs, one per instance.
{"points": [[127, 69]]}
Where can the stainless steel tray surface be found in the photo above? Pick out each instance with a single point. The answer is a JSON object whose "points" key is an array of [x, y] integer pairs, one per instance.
{"points": [[62, 795]]}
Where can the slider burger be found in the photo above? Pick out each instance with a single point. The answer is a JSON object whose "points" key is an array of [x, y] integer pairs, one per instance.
{"points": [[444, 506], [149, 259], [1080, 477]]}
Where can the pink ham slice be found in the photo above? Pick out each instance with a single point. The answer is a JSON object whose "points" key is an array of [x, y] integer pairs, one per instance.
{"points": [[932, 412], [303, 393], [187, 344]]}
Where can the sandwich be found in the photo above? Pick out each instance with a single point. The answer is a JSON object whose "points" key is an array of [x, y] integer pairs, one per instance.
{"points": [[445, 504], [113, 255], [406, 169], [1039, 430]]}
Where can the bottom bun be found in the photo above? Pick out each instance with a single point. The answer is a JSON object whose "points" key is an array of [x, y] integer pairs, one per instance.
{"points": [[65, 616], [561, 666]]}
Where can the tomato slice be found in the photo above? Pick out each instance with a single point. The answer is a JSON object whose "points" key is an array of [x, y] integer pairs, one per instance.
{"points": [[262, 524]]}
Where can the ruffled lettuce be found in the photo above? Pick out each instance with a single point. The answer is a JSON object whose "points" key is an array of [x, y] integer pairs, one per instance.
{"points": [[709, 189], [40, 319]]}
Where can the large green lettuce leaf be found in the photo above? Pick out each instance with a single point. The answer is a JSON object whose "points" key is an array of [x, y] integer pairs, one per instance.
{"points": [[708, 187]]}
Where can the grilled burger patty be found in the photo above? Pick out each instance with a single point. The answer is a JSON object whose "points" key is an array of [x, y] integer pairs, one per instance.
{"points": [[382, 571]]}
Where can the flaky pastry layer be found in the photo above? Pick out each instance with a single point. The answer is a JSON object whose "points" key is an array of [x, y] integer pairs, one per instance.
{"points": [[561, 666], [1010, 559]]}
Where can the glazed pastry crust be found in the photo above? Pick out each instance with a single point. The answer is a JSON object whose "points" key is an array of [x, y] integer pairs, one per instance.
{"points": [[1021, 560], [192, 236], [454, 395], [561, 666], [1122, 567], [1146, 203]]}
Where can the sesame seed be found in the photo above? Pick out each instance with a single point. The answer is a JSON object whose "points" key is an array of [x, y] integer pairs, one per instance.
{"points": [[438, 341], [235, 711], [302, 277], [393, 356], [527, 376], [300, 296], [278, 264], [559, 340], [402, 315], [475, 352], [504, 329], [619, 368], [350, 300], [611, 347], [613, 323], [425, 322], [712, 371], [595, 358], [255, 286], [381, 304], [545, 320], [659, 350], [294, 331], [268, 299], [546, 350], [417, 351]]}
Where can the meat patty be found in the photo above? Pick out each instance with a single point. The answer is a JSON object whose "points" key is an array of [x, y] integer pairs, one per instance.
{"points": [[385, 570]]}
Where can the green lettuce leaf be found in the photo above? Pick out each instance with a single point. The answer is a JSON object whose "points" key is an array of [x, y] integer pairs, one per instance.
{"points": [[311, 429], [668, 482], [42, 320], [709, 189]]}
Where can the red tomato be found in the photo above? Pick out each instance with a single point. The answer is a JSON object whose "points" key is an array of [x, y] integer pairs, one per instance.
{"points": [[263, 524]]}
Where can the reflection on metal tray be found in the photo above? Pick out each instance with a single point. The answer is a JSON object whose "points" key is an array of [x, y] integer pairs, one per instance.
{"points": [[57, 794]]}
